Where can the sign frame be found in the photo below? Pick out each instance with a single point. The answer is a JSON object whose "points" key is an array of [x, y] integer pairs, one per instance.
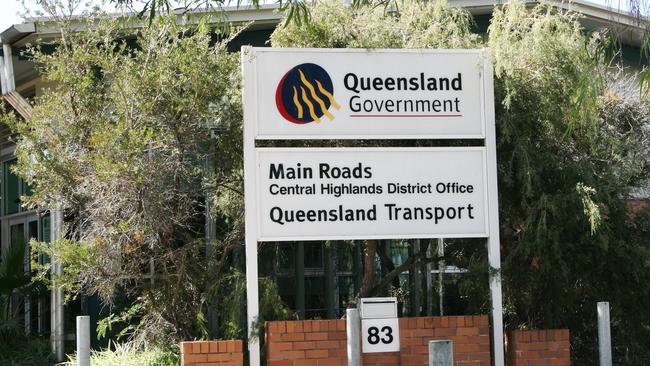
{"points": [[250, 107]]}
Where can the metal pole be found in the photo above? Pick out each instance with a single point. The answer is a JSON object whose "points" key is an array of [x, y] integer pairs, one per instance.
{"points": [[441, 270], [3, 80], [604, 335], [493, 242], [8, 68], [28, 300], [250, 204], [352, 328], [429, 280], [57, 320], [83, 341], [300, 279], [330, 280], [210, 238], [414, 275]]}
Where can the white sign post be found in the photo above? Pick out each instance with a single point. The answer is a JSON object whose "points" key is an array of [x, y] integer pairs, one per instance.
{"points": [[294, 194]]}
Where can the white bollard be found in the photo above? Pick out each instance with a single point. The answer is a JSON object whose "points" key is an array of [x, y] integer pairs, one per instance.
{"points": [[83, 341], [352, 327], [604, 335]]}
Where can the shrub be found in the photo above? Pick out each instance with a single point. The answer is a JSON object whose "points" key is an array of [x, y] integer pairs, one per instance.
{"points": [[127, 354], [26, 352]]}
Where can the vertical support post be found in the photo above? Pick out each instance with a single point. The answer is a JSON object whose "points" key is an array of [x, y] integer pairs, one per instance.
{"points": [[27, 270], [357, 266], [414, 281], [8, 70], [300, 279], [83, 341], [604, 335], [493, 241], [250, 207], [210, 237], [331, 298], [441, 271], [57, 336], [352, 328], [429, 283], [3, 80]]}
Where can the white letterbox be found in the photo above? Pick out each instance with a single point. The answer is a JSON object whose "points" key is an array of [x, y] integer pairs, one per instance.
{"points": [[379, 324]]}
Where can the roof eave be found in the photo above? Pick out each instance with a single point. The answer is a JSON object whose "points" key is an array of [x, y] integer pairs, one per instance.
{"points": [[17, 32], [634, 27]]}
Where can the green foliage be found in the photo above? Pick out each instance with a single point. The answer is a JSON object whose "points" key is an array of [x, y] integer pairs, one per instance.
{"points": [[427, 24], [26, 352], [123, 141], [126, 354], [13, 282], [233, 297], [78, 260], [104, 326], [572, 144], [12, 268], [135, 140]]}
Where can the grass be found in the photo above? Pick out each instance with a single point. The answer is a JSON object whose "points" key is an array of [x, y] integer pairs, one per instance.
{"points": [[128, 355], [36, 352]]}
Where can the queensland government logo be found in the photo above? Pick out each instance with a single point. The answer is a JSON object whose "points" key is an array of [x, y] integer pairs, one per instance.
{"points": [[305, 94]]}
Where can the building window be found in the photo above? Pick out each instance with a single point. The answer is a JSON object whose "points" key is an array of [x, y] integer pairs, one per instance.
{"points": [[13, 188]]}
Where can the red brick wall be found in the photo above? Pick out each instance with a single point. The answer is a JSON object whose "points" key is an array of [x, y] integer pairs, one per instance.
{"points": [[306, 343], [538, 347], [470, 336], [212, 353], [324, 342]]}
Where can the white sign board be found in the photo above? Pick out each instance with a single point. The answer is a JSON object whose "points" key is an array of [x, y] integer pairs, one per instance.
{"points": [[368, 193], [378, 94], [380, 335]]}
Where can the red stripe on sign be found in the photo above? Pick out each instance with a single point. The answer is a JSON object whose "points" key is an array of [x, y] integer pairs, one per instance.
{"points": [[404, 115]]}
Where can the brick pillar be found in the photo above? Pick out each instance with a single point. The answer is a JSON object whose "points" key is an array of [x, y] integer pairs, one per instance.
{"points": [[212, 353]]}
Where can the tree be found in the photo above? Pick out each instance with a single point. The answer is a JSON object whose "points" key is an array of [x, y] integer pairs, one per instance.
{"points": [[572, 144], [121, 141]]}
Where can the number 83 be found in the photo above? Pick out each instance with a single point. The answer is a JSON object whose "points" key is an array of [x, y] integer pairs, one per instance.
{"points": [[373, 335]]}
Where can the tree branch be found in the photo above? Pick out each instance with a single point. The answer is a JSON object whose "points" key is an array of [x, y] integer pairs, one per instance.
{"points": [[410, 263]]}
